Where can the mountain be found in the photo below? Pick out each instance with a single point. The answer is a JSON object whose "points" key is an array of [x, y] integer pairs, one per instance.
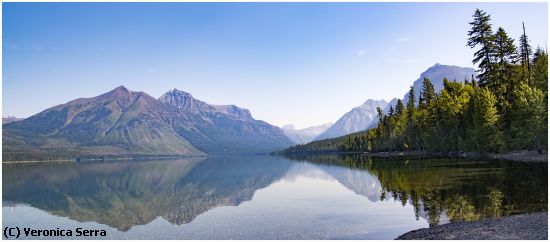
{"points": [[10, 119], [357, 119], [222, 129], [123, 122], [302, 136], [119, 122]]}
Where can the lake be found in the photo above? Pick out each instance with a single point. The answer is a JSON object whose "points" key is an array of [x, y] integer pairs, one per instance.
{"points": [[267, 197]]}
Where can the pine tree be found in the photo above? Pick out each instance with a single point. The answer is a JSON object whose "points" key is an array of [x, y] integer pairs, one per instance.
{"points": [[399, 108], [389, 127], [428, 92], [481, 35], [540, 70], [505, 78], [506, 56], [427, 117], [399, 125], [380, 114], [411, 129], [504, 48], [525, 55]]}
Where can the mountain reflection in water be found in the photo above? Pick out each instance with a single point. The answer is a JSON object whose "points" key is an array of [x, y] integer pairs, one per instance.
{"points": [[126, 194]]}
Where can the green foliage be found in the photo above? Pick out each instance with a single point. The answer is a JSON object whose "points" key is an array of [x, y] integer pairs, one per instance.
{"points": [[504, 72], [452, 108], [481, 35], [485, 132], [540, 70], [504, 112], [529, 125], [428, 93], [411, 128]]}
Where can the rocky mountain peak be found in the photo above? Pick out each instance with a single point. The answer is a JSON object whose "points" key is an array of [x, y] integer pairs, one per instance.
{"points": [[232, 110], [121, 90], [119, 93], [372, 104], [184, 100]]}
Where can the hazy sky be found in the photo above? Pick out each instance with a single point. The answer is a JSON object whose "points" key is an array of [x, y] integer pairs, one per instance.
{"points": [[299, 63]]}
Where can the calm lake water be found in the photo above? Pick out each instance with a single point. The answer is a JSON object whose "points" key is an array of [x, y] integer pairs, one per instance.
{"points": [[264, 197]]}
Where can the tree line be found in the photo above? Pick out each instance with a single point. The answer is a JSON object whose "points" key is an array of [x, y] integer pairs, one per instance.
{"points": [[504, 109]]}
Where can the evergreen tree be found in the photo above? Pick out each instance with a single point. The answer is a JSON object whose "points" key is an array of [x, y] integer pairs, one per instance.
{"points": [[504, 81], [428, 92], [411, 131], [399, 108], [506, 56], [481, 35], [411, 103], [427, 116], [525, 56], [389, 131], [399, 125], [540, 70], [380, 115], [504, 48]]}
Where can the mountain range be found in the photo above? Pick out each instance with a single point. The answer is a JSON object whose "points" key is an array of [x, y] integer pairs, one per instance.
{"points": [[123, 122], [305, 135], [364, 117]]}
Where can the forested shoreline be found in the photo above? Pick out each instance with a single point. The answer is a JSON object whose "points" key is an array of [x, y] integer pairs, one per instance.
{"points": [[503, 109]]}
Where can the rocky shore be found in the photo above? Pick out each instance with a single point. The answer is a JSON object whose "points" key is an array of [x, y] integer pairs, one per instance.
{"points": [[518, 227]]}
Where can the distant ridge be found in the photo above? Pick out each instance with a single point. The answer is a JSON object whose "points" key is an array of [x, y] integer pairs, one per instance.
{"points": [[10, 119], [305, 135]]}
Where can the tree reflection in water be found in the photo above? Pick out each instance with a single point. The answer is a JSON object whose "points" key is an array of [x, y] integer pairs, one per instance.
{"points": [[454, 189]]}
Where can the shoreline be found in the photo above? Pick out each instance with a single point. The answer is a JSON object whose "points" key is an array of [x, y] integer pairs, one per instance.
{"points": [[126, 158], [533, 226], [76, 160], [518, 155]]}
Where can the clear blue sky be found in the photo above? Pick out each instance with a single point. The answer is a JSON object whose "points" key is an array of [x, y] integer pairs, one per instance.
{"points": [[300, 63]]}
